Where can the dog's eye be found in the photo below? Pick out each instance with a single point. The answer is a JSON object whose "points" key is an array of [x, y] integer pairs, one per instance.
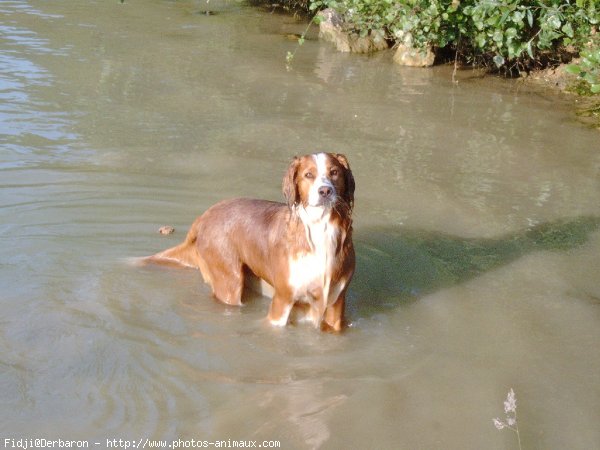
{"points": [[334, 172], [309, 175]]}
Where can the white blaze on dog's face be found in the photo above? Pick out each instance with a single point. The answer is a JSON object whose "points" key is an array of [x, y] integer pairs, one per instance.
{"points": [[320, 180]]}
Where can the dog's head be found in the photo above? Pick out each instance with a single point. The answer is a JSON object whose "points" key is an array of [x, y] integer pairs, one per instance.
{"points": [[319, 180]]}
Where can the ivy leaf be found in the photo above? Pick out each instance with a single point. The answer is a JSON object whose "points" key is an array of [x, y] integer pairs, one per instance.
{"points": [[499, 60], [530, 18], [554, 22], [480, 39], [497, 37], [567, 29], [529, 50], [517, 17], [589, 77]]}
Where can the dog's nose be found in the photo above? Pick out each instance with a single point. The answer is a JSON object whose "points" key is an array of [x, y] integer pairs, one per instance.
{"points": [[325, 191]]}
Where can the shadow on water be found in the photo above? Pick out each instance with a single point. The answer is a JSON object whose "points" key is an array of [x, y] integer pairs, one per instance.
{"points": [[397, 265]]}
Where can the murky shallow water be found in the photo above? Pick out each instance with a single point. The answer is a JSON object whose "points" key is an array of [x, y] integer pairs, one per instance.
{"points": [[477, 229]]}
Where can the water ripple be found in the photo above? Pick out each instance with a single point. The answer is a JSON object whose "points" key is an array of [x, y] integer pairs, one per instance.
{"points": [[30, 124]]}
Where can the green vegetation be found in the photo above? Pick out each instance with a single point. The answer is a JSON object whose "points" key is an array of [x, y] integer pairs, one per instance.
{"points": [[588, 69], [508, 35]]}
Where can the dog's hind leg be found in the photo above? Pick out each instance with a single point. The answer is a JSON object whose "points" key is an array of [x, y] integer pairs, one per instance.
{"points": [[225, 279]]}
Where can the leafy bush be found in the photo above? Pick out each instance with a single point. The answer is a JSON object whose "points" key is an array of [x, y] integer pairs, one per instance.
{"points": [[588, 68], [511, 33]]}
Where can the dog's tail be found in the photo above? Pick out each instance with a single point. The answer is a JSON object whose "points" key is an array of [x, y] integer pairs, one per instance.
{"points": [[182, 255]]}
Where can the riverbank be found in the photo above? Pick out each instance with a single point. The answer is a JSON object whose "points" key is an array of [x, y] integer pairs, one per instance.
{"points": [[499, 42], [558, 81]]}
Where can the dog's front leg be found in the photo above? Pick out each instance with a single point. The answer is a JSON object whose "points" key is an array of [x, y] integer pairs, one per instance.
{"points": [[280, 309], [334, 315]]}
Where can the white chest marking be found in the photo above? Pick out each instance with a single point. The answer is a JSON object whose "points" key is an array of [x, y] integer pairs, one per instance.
{"points": [[311, 272]]}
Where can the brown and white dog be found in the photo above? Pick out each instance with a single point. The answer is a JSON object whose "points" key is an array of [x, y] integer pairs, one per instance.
{"points": [[302, 249]]}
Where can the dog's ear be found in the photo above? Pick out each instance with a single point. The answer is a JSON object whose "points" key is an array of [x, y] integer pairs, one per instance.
{"points": [[349, 179], [290, 189]]}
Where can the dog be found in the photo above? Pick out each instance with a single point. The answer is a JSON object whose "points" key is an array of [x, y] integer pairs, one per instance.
{"points": [[302, 248]]}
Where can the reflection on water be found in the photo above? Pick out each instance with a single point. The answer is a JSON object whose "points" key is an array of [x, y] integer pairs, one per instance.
{"points": [[476, 230], [27, 123]]}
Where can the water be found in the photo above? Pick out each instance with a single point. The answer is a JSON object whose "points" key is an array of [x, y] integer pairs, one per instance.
{"points": [[476, 227]]}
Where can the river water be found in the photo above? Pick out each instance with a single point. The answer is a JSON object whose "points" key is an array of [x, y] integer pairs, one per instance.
{"points": [[477, 227]]}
